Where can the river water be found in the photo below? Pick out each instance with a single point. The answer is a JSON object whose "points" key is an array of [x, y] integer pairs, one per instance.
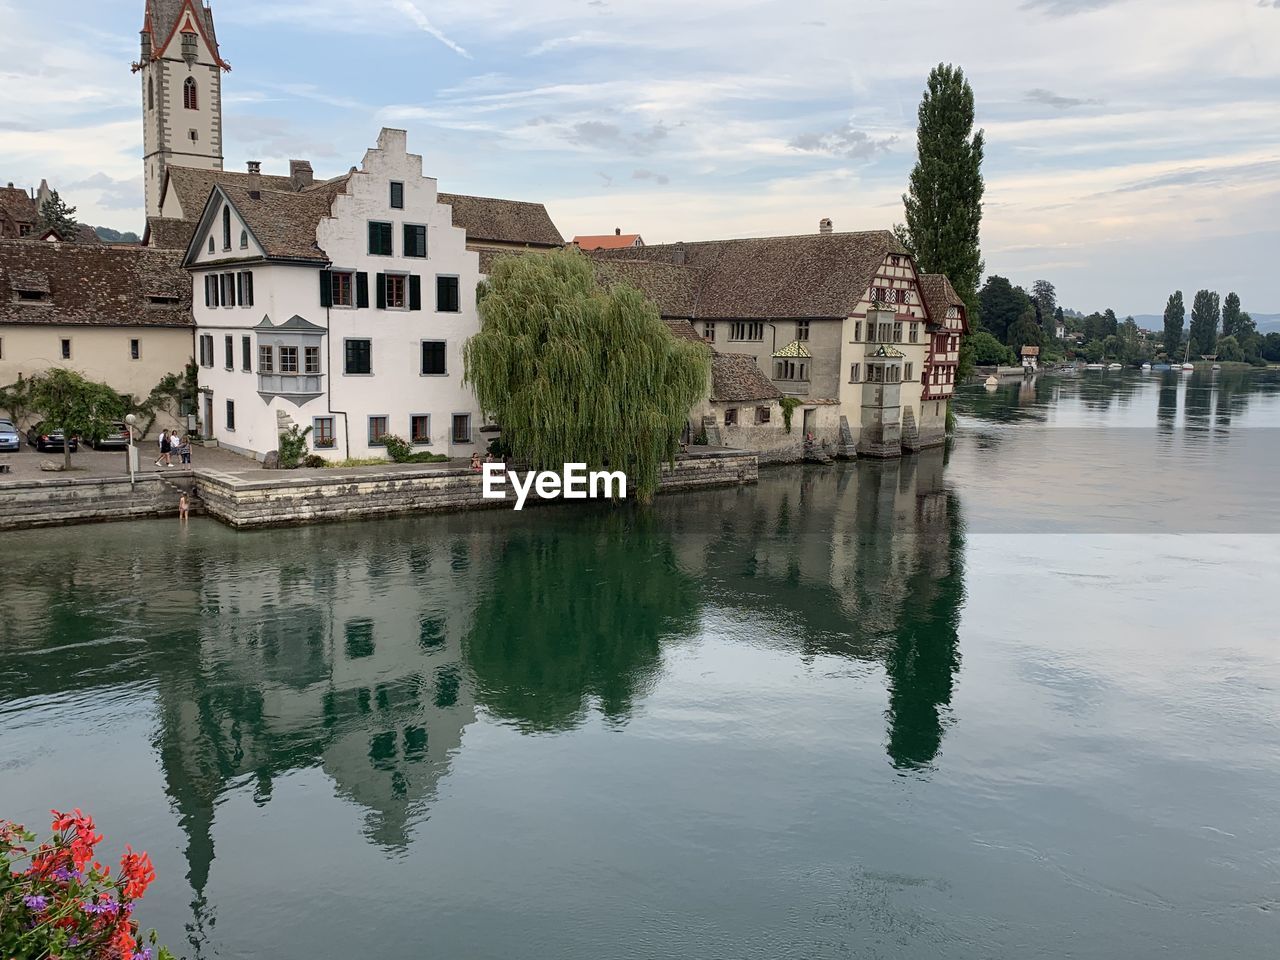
{"points": [[1018, 699]]}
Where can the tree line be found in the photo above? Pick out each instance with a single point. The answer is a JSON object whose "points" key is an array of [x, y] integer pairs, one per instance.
{"points": [[1221, 330]]}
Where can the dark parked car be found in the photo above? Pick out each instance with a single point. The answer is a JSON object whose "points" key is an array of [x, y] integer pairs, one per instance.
{"points": [[117, 438], [44, 436], [9, 439]]}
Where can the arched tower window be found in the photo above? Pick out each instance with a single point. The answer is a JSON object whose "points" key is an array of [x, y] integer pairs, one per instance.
{"points": [[189, 99], [226, 228], [151, 93]]}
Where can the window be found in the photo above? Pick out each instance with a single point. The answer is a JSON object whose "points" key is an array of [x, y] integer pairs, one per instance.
{"points": [[231, 414], [857, 330], [190, 100], [908, 371], [762, 415], [192, 135], [854, 372], [415, 240], [377, 430], [206, 350], [340, 289], [379, 238], [709, 331], [731, 417], [742, 330], [31, 296], [266, 359], [158, 300], [397, 195], [802, 329], [66, 349], [151, 93], [433, 358], [1, 348], [447, 295], [420, 428], [135, 349], [358, 357], [462, 428], [244, 239], [897, 333], [227, 289], [311, 360], [211, 244], [289, 360], [246, 354], [789, 370], [244, 288], [226, 228], [915, 333], [395, 291], [24, 229], [322, 433], [229, 353], [886, 332]]}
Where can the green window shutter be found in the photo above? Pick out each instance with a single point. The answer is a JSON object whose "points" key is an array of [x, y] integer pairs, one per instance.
{"points": [[362, 289], [415, 292], [326, 288], [374, 236], [385, 233], [408, 241], [380, 284]]}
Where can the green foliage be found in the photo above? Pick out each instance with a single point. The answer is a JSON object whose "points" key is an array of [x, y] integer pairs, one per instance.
{"points": [[500, 447], [944, 200], [1271, 347], [988, 351], [361, 462], [701, 440], [1095, 350], [76, 406], [175, 394], [1231, 316], [1000, 304], [788, 405], [1203, 334], [1025, 332], [293, 446], [1175, 316], [56, 214], [115, 236], [1230, 351], [1045, 298], [400, 451], [17, 400], [575, 373], [314, 460]]}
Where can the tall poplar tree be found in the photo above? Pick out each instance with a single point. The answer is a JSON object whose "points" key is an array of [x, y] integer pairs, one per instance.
{"points": [[1204, 323], [944, 200], [1231, 326], [1175, 316]]}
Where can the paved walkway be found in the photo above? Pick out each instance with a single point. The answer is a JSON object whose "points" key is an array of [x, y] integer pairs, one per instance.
{"points": [[25, 464]]}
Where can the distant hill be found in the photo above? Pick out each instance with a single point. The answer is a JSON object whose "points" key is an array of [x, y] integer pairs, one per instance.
{"points": [[1267, 322], [115, 236]]}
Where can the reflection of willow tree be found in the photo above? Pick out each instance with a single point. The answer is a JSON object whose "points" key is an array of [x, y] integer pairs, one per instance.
{"points": [[577, 610], [924, 656]]}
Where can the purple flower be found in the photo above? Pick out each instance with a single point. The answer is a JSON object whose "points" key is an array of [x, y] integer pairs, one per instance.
{"points": [[143, 954], [36, 903], [106, 906], [62, 873]]}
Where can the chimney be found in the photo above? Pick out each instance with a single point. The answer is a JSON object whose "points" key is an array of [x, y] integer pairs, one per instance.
{"points": [[300, 173], [255, 179], [677, 254], [824, 226], [617, 231]]}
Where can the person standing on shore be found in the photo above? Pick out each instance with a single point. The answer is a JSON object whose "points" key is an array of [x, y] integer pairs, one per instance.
{"points": [[164, 446], [183, 506], [184, 449]]}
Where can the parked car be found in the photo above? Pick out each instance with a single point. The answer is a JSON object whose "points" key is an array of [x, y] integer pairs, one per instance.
{"points": [[9, 438], [117, 438], [44, 436]]}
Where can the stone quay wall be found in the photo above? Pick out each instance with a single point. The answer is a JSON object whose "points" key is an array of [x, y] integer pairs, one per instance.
{"points": [[50, 503], [283, 499]]}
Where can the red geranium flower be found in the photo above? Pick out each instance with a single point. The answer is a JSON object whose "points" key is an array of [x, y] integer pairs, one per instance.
{"points": [[137, 873]]}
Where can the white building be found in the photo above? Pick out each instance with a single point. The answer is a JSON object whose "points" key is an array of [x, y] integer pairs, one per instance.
{"points": [[342, 306]]}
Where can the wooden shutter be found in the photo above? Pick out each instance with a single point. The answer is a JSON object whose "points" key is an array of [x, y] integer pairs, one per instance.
{"points": [[374, 236], [208, 300], [248, 287], [362, 289], [415, 292], [326, 288], [240, 288], [381, 286]]}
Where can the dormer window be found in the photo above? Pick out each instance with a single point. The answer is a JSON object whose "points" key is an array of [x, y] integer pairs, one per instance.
{"points": [[189, 49], [159, 300], [244, 239], [190, 98], [32, 296]]}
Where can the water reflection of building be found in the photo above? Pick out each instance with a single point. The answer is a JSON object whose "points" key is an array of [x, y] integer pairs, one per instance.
{"points": [[862, 561]]}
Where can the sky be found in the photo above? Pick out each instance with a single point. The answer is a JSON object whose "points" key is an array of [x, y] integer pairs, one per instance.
{"points": [[1133, 146]]}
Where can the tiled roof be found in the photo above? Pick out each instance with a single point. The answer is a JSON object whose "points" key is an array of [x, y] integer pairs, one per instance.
{"points": [[1030, 351], [170, 233], [736, 378], [163, 17], [884, 351], [809, 276], [683, 330], [607, 241], [939, 295], [674, 289], [503, 221], [795, 350], [93, 284], [193, 185], [17, 204], [284, 223]]}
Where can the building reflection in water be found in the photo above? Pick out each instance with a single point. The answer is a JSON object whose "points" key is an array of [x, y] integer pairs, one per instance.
{"points": [[366, 650]]}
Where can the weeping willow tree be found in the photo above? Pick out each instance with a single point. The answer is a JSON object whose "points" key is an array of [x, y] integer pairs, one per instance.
{"points": [[575, 373]]}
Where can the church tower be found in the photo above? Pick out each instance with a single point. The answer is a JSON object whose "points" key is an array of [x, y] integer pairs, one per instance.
{"points": [[181, 91]]}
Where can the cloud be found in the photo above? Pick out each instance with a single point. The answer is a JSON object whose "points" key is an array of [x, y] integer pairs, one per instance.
{"points": [[410, 10], [661, 179], [1058, 102], [276, 138], [594, 133], [844, 141], [1065, 8], [113, 194], [601, 134]]}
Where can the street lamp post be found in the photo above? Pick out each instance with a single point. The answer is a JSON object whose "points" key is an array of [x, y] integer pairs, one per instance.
{"points": [[130, 420]]}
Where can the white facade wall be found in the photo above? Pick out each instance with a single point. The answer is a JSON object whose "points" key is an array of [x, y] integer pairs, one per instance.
{"points": [[396, 387]]}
